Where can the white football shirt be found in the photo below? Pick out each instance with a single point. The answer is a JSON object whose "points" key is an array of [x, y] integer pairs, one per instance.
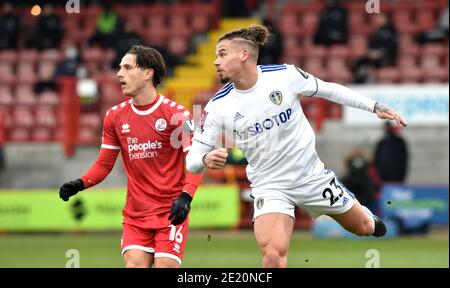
{"points": [[267, 123]]}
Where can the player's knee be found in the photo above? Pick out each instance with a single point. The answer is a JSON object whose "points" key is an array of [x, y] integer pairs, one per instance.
{"points": [[273, 257], [166, 263], [136, 264]]}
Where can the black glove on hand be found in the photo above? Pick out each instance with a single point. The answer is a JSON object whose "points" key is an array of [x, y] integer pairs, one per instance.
{"points": [[180, 208], [70, 188]]}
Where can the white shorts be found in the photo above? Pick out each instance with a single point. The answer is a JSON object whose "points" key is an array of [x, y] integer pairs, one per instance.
{"points": [[323, 194]]}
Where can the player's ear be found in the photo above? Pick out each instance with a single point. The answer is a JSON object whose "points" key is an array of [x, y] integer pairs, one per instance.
{"points": [[149, 73], [244, 55]]}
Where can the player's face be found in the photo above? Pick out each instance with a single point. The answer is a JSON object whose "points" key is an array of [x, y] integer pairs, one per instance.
{"points": [[132, 78], [228, 60]]}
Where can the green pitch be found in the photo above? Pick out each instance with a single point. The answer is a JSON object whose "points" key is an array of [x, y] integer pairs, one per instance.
{"points": [[227, 249]]}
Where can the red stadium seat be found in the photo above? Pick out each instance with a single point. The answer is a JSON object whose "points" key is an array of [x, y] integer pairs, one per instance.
{"points": [[293, 59], [6, 98], [289, 24], [46, 70], [29, 55], [22, 117], [7, 73], [48, 98], [338, 51], [26, 73], [407, 45], [8, 56], [111, 93], [291, 8], [318, 52], [157, 35], [403, 22], [291, 46], [387, 75], [338, 71], [425, 20], [315, 67], [178, 46], [411, 74], [41, 134], [438, 50], [357, 46], [181, 31], [24, 95], [88, 136], [357, 21], [201, 21], [91, 120], [92, 54], [309, 22], [50, 55], [7, 118], [45, 116], [433, 69], [18, 134]]}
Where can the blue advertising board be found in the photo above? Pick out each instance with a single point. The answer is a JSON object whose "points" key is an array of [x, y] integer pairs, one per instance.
{"points": [[415, 203]]}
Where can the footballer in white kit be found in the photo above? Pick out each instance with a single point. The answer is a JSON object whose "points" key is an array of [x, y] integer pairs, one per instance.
{"points": [[258, 111], [267, 123]]}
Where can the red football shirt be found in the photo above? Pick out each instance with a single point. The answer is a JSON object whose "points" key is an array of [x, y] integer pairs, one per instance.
{"points": [[152, 144]]}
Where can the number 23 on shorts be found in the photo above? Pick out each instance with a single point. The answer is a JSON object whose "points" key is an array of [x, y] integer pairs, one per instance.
{"points": [[333, 196]]}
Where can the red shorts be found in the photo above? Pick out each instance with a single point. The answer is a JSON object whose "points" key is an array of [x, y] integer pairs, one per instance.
{"points": [[154, 234]]}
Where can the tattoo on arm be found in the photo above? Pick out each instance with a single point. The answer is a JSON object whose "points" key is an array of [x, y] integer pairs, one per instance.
{"points": [[380, 107]]}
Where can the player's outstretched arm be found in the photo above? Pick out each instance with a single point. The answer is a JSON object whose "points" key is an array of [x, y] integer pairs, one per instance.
{"points": [[99, 170], [384, 112], [345, 96]]}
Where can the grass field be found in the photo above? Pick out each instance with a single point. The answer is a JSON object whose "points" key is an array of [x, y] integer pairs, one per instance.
{"points": [[228, 249]]}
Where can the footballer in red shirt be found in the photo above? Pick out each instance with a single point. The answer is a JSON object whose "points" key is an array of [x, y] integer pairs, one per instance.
{"points": [[153, 135]]}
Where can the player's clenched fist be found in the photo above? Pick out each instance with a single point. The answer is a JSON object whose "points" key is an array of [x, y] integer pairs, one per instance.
{"points": [[70, 188], [216, 159]]}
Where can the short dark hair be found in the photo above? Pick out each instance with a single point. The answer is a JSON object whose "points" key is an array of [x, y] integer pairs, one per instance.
{"points": [[149, 58]]}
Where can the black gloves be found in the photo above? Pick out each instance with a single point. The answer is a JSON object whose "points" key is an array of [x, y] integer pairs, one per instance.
{"points": [[70, 188], [180, 208]]}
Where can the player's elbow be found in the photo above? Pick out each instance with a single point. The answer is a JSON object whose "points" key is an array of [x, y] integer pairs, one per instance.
{"points": [[194, 163]]}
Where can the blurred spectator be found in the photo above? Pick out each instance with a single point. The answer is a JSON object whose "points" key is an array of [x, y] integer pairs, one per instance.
{"points": [[10, 26], [109, 27], [360, 180], [69, 65], [175, 53], [125, 41], [272, 51], [383, 45], [333, 28], [391, 155], [438, 34], [235, 8], [48, 30]]}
